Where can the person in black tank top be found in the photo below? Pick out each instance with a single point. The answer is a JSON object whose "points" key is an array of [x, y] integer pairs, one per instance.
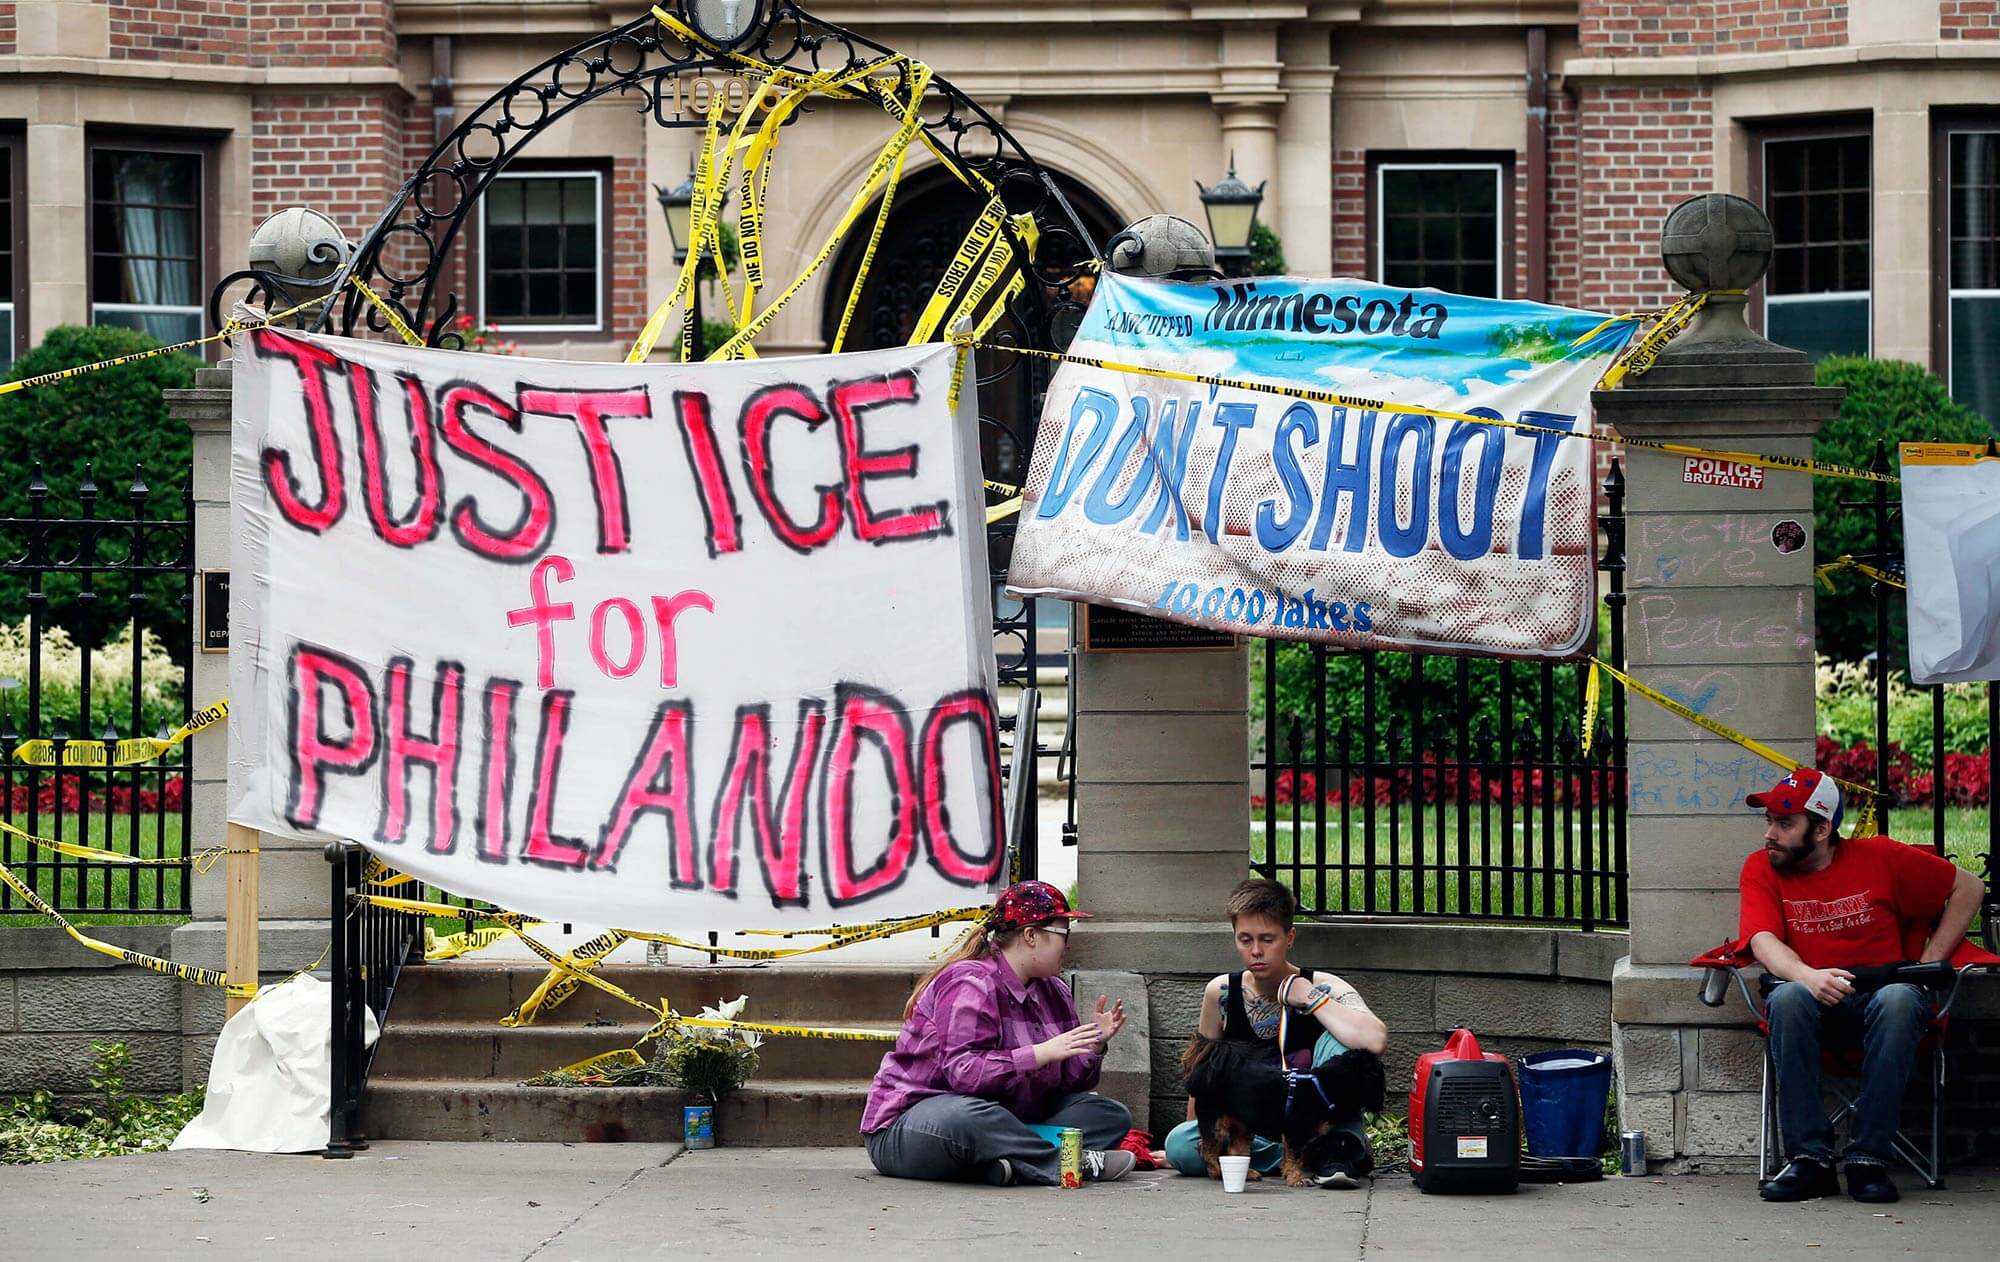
{"points": [[1320, 1015]]}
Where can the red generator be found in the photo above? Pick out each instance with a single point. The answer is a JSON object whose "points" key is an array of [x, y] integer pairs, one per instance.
{"points": [[1465, 1120]]}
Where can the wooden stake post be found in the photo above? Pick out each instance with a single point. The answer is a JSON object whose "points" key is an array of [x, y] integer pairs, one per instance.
{"points": [[241, 916]]}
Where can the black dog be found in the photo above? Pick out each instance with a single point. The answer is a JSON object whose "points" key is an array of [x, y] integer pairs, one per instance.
{"points": [[1240, 1091]]}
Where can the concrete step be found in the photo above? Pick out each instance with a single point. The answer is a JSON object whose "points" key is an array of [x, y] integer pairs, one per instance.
{"points": [[447, 1071], [469, 991], [766, 1114], [490, 1054]]}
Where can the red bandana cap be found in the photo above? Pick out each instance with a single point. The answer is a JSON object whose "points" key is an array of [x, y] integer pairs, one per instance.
{"points": [[1803, 790], [1031, 903]]}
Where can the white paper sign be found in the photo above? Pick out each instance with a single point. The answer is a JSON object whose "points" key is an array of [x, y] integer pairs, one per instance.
{"points": [[1951, 558], [656, 647]]}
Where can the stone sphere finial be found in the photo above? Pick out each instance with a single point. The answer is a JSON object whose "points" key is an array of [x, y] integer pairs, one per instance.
{"points": [[1162, 245], [301, 246], [1716, 241]]}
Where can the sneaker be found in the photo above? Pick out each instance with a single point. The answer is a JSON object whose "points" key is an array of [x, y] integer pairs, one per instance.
{"points": [[1108, 1167], [1001, 1173], [1802, 1179], [1336, 1174], [1870, 1184]]}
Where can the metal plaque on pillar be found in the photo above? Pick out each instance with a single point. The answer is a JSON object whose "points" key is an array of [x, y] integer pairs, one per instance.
{"points": [[215, 611], [1110, 629]]}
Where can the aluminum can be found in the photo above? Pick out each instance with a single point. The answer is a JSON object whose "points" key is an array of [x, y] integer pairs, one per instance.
{"points": [[698, 1125], [1632, 1152], [1072, 1156]]}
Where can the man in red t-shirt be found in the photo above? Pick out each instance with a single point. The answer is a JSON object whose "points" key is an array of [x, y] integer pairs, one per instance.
{"points": [[1814, 908]]}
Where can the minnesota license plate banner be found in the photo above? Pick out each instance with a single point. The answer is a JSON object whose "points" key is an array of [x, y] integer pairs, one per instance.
{"points": [[1247, 511], [659, 647]]}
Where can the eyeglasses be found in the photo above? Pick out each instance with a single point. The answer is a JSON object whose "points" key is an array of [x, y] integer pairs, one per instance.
{"points": [[1061, 933]]}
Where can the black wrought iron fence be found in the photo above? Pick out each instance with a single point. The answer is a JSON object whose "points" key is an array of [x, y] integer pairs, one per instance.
{"points": [[1417, 785], [369, 948], [1934, 780], [120, 567]]}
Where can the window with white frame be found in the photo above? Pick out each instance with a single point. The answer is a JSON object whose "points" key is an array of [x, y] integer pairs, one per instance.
{"points": [[1973, 276], [146, 240], [542, 250], [1816, 192], [1439, 224]]}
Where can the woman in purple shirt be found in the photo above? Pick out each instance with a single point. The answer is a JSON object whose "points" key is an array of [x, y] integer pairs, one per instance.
{"points": [[991, 1043]]}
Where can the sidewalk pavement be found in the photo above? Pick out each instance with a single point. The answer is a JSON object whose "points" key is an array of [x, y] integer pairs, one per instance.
{"points": [[587, 1203]]}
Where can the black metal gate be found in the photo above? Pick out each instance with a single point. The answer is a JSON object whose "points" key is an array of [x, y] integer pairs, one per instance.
{"points": [[1923, 784], [407, 259], [122, 556], [1402, 784]]}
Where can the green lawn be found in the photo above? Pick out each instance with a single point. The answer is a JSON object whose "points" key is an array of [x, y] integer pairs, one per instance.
{"points": [[120, 896], [1526, 890], [1536, 893]]}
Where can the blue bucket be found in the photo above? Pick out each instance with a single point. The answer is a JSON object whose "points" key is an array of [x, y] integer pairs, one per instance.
{"points": [[1562, 1102]]}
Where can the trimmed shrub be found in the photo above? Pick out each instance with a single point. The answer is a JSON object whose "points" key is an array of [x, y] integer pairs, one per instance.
{"points": [[107, 427], [1892, 402]]}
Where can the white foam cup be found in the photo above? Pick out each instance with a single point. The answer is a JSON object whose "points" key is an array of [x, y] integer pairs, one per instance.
{"points": [[1235, 1172]]}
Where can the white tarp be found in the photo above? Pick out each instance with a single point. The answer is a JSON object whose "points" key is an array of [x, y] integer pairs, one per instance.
{"points": [[1951, 560], [271, 1081], [683, 647], [1251, 512]]}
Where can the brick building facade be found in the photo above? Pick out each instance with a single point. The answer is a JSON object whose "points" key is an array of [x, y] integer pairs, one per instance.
{"points": [[1490, 145]]}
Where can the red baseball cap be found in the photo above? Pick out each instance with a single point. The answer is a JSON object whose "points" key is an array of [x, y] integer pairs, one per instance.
{"points": [[1031, 903], [1803, 790]]}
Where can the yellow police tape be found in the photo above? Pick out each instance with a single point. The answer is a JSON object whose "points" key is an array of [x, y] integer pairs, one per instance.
{"points": [[575, 968], [1591, 693], [450, 946], [712, 171], [559, 985], [837, 936], [1645, 351], [1860, 793], [1825, 573], [229, 329], [76, 850], [389, 313], [667, 1017], [184, 972], [125, 753]]}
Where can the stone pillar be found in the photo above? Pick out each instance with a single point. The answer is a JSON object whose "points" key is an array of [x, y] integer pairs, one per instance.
{"points": [[58, 210], [293, 878], [1719, 617], [1248, 101], [1162, 804], [1304, 213]]}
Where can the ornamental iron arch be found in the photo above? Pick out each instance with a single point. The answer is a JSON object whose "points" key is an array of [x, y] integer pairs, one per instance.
{"points": [[404, 256]]}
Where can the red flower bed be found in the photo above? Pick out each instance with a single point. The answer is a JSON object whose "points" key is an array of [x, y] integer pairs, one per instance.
{"points": [[67, 792], [1436, 781], [1968, 778]]}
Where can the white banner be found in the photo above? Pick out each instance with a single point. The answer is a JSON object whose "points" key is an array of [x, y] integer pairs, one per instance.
{"points": [[654, 647], [1951, 560], [1247, 511]]}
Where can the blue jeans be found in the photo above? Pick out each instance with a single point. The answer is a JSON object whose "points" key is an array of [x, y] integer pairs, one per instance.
{"points": [[1888, 1024], [1184, 1141]]}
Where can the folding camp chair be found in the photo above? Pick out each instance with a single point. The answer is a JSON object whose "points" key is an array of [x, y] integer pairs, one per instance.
{"points": [[1731, 960]]}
